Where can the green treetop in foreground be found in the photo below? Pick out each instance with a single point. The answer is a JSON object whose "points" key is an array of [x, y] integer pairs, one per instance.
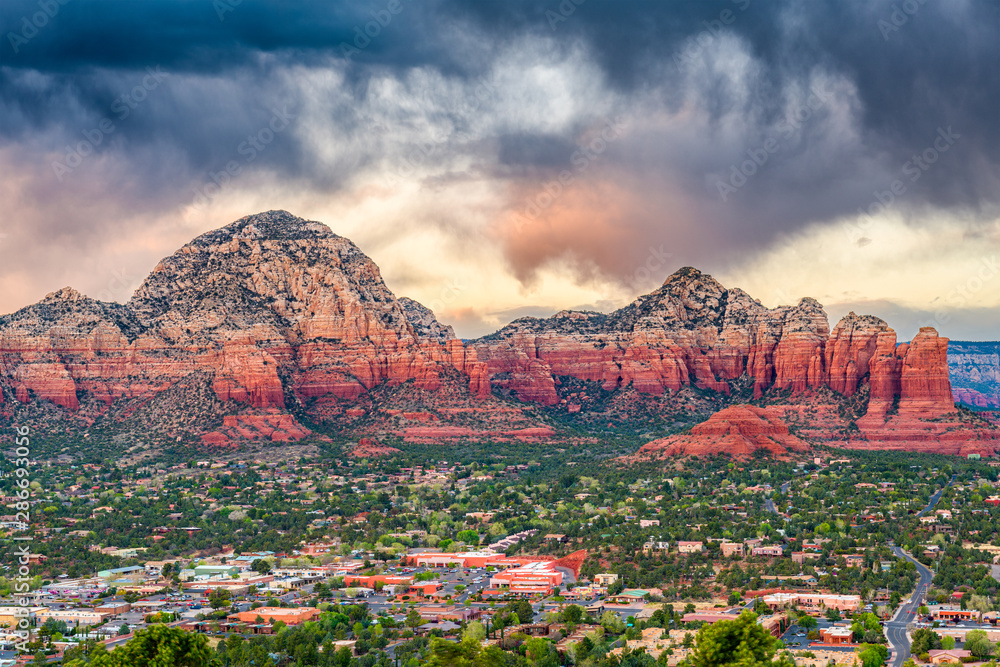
{"points": [[156, 646], [738, 642]]}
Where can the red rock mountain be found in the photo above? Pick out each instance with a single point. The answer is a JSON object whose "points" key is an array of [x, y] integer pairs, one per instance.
{"points": [[737, 431], [693, 331], [270, 310], [246, 329]]}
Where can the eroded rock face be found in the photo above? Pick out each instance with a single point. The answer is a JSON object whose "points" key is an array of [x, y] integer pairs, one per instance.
{"points": [[737, 431], [368, 448], [272, 306], [693, 331], [273, 313], [974, 369], [425, 324]]}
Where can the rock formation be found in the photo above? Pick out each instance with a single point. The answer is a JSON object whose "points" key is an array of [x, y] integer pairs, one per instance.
{"points": [[274, 316], [272, 307], [694, 332], [737, 431], [367, 448], [975, 373], [425, 324]]}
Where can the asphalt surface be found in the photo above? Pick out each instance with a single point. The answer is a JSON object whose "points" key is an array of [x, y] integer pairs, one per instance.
{"points": [[895, 630], [769, 504], [937, 496]]}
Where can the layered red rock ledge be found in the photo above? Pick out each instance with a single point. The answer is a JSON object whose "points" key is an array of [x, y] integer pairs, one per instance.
{"points": [[275, 313], [737, 431], [368, 448]]}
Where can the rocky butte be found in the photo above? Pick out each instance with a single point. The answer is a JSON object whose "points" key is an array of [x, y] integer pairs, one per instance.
{"points": [[249, 329], [975, 373], [739, 431], [268, 311]]}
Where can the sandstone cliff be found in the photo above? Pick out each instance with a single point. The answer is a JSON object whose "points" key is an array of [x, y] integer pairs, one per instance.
{"points": [[276, 310], [975, 373], [692, 331], [272, 318], [738, 431]]}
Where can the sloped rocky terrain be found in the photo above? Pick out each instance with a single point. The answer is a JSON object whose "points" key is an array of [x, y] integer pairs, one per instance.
{"points": [[274, 328], [975, 373]]}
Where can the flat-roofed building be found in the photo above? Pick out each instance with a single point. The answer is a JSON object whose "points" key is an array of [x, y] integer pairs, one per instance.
{"points": [[688, 547], [836, 635], [287, 615], [732, 549]]}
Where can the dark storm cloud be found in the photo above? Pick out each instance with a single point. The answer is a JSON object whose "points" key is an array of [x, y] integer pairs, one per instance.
{"points": [[846, 93], [939, 68], [917, 65], [535, 150], [208, 35]]}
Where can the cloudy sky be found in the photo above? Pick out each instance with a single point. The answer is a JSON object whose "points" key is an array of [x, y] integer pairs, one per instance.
{"points": [[504, 157]]}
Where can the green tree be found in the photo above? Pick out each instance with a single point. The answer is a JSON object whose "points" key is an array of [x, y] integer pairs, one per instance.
{"points": [[541, 653], [413, 619], [873, 655], [474, 632], [462, 654], [977, 643], [611, 622], [468, 536], [738, 642], [866, 628], [156, 646], [219, 598], [573, 613], [924, 640]]}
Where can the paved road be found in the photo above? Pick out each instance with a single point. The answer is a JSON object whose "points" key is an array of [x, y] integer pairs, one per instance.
{"points": [[937, 496], [895, 630], [769, 504]]}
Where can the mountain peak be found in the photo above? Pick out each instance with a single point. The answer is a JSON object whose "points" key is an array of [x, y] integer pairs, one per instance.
{"points": [[274, 225], [64, 294], [685, 274]]}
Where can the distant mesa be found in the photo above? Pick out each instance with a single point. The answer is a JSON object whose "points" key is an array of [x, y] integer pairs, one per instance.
{"points": [[739, 431], [368, 448]]}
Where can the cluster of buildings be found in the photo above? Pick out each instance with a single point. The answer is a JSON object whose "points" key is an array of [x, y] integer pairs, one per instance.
{"points": [[813, 602], [512, 577]]}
